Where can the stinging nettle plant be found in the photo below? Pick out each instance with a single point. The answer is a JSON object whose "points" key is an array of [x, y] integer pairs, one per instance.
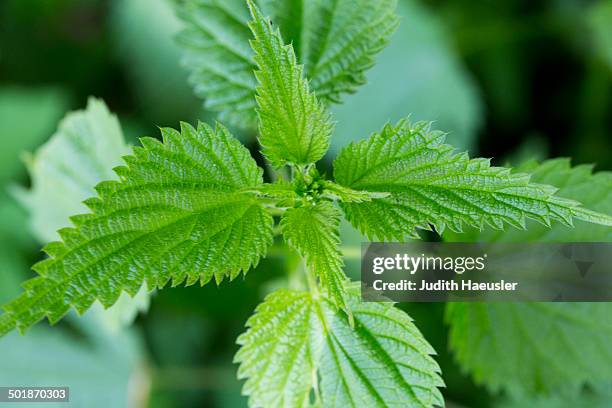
{"points": [[194, 207]]}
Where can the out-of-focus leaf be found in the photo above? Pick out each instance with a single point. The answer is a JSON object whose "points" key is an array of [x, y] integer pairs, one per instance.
{"points": [[64, 171], [27, 117], [418, 74], [540, 347], [600, 22], [104, 374], [144, 34], [532, 348], [581, 401], [535, 147]]}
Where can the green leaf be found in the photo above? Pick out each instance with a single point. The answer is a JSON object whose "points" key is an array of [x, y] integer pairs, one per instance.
{"points": [[578, 183], [297, 345], [336, 41], [383, 362], [64, 172], [177, 214], [313, 231], [431, 186], [561, 346], [294, 127], [280, 351]]}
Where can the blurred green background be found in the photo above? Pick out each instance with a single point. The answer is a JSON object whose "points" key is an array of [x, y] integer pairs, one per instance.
{"points": [[508, 79]]}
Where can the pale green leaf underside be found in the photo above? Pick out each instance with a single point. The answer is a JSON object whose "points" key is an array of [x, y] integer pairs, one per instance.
{"points": [[429, 184], [335, 40], [294, 127], [177, 214], [540, 347], [313, 230], [64, 171], [296, 343]]}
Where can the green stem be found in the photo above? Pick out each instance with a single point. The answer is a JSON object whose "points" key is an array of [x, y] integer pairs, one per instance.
{"points": [[277, 231], [310, 279], [275, 210]]}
